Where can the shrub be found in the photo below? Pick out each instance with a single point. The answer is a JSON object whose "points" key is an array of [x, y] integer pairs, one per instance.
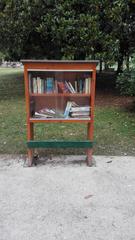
{"points": [[126, 80]]}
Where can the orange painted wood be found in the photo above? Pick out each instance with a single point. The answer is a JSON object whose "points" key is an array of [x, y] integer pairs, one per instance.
{"points": [[55, 120], [59, 94], [68, 66]]}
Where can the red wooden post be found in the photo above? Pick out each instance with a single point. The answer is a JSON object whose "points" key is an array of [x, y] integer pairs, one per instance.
{"points": [[30, 130], [90, 130]]}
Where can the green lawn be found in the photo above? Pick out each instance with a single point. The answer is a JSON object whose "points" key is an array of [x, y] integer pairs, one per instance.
{"points": [[114, 128], [11, 82]]}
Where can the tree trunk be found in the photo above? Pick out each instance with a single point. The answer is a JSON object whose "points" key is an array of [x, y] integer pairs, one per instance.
{"points": [[120, 64], [100, 65], [106, 66], [127, 62]]}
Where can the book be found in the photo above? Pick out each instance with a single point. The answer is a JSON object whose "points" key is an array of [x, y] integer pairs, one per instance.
{"points": [[38, 85], [55, 86], [80, 113], [49, 84], [87, 85], [72, 88], [80, 85], [76, 88], [62, 87], [81, 116], [78, 109], [35, 87], [39, 115], [67, 109], [68, 87], [42, 86]]}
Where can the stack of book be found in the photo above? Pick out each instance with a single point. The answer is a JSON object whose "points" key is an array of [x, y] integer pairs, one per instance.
{"points": [[74, 111], [80, 112]]}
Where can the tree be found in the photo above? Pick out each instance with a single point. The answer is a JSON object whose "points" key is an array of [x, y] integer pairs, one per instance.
{"points": [[74, 29]]}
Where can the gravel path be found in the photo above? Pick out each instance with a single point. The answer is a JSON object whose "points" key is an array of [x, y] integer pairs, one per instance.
{"points": [[62, 198]]}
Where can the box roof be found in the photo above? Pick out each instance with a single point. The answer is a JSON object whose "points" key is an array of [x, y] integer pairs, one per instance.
{"points": [[58, 61]]}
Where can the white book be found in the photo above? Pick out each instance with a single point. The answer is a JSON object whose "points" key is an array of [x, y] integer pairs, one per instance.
{"points": [[80, 114], [76, 86], [78, 109], [67, 109], [39, 85], [87, 85], [42, 115], [35, 89], [68, 86], [73, 90]]}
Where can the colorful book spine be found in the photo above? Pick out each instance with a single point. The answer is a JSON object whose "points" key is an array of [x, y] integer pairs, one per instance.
{"points": [[78, 109], [42, 86], [35, 88], [67, 109], [38, 84], [49, 84], [68, 87], [62, 87], [80, 85], [71, 86], [87, 85]]}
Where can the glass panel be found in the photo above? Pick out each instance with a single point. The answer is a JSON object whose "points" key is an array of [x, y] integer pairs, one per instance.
{"points": [[60, 94]]}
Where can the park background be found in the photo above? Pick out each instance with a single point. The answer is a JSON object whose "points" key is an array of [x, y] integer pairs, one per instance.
{"points": [[70, 30]]}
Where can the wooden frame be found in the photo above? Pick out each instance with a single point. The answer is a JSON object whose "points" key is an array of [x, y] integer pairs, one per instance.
{"points": [[58, 66]]}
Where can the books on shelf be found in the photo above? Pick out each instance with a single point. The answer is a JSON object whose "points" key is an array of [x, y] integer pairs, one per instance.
{"points": [[48, 113], [40, 85], [72, 110]]}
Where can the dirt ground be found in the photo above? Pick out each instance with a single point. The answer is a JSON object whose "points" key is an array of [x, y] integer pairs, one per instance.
{"points": [[62, 198], [109, 97]]}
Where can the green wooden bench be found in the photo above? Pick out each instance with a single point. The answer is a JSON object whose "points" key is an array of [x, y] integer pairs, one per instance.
{"points": [[60, 144]]}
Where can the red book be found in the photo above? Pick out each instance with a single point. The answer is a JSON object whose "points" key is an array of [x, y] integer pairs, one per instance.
{"points": [[61, 87]]}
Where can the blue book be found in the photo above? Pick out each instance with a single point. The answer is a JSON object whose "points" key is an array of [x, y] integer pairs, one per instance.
{"points": [[49, 84], [81, 86], [67, 109]]}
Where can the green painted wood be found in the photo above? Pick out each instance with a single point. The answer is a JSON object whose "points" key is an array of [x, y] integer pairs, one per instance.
{"points": [[60, 144]]}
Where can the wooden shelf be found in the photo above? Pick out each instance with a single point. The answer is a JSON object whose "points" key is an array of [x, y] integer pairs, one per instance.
{"points": [[60, 120], [43, 76], [59, 95]]}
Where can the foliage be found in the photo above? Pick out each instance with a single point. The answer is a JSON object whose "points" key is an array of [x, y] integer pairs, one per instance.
{"points": [[67, 29], [126, 80]]}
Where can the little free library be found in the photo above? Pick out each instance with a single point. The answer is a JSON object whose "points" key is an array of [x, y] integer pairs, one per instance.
{"points": [[60, 92]]}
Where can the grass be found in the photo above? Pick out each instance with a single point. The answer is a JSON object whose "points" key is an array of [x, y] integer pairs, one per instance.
{"points": [[11, 82], [114, 127]]}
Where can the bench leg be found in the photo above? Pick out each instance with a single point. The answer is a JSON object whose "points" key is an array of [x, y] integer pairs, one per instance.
{"points": [[30, 157], [89, 157]]}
